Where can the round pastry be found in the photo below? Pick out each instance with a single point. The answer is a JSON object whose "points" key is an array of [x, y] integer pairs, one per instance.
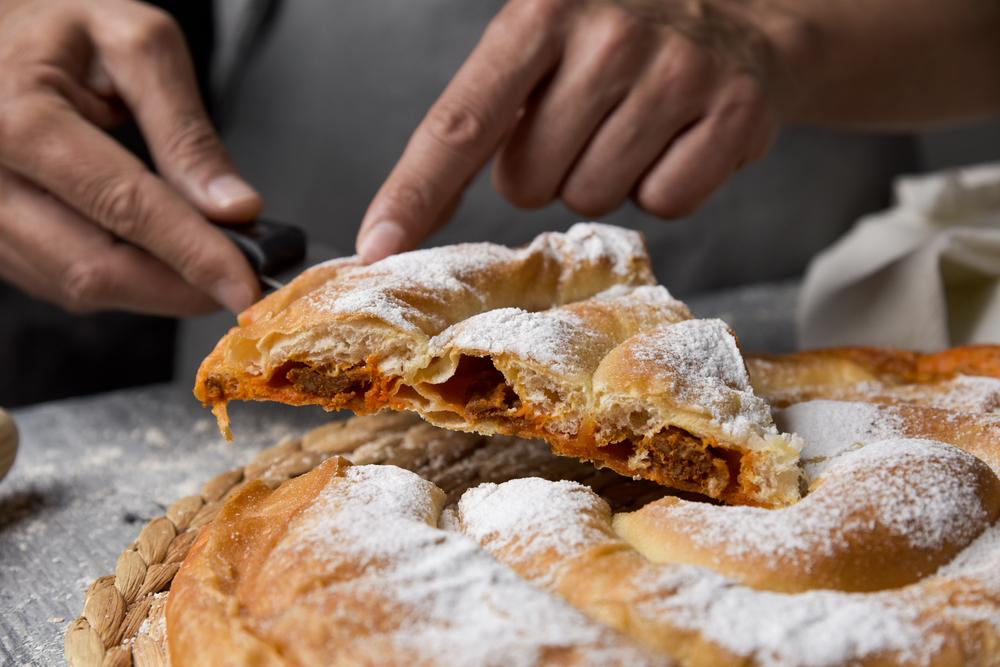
{"points": [[494, 551], [892, 557]]}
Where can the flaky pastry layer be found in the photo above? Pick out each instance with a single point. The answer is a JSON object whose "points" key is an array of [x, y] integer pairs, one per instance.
{"points": [[566, 339]]}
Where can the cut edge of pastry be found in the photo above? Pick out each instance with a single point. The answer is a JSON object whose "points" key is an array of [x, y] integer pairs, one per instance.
{"points": [[675, 445], [590, 291]]}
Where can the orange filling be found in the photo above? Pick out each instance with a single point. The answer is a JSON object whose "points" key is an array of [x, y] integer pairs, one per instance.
{"points": [[673, 457], [477, 391]]}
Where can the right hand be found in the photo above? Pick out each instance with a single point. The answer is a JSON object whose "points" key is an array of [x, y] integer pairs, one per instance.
{"points": [[83, 223], [595, 102]]}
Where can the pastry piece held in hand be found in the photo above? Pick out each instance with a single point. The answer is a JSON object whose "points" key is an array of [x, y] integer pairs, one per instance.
{"points": [[566, 339]]}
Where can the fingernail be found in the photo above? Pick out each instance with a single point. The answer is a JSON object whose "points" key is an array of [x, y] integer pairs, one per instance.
{"points": [[383, 239], [229, 190], [235, 296]]}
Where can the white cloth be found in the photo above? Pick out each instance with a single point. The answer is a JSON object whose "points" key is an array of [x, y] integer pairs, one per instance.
{"points": [[922, 275]]}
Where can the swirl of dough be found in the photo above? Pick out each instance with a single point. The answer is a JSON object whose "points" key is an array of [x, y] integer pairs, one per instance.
{"points": [[882, 516], [346, 565], [913, 523]]}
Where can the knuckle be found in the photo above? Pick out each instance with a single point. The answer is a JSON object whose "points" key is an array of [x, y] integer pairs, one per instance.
{"points": [[409, 198], [15, 119], [192, 141], [117, 203], [23, 120], [589, 201], [620, 33], [689, 55], [663, 204], [153, 33], [686, 69], [744, 97], [84, 284], [29, 78], [520, 185], [539, 14], [45, 76], [457, 125]]}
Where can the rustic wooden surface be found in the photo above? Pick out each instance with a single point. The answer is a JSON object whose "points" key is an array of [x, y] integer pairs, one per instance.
{"points": [[90, 472]]}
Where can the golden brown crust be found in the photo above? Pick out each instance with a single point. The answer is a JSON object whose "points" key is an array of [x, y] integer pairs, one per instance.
{"points": [[237, 599], [892, 557], [565, 340], [866, 373], [288, 577]]}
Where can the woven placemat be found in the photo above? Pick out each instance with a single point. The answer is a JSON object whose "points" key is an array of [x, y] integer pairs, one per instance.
{"points": [[123, 621]]}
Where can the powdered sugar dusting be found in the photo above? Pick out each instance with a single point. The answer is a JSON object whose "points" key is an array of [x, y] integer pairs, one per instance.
{"points": [[457, 601], [700, 361], [534, 516], [921, 491], [595, 243], [815, 629], [650, 295], [412, 290], [552, 338], [981, 561], [820, 628], [371, 494], [830, 428], [963, 393], [427, 290], [559, 338], [703, 349]]}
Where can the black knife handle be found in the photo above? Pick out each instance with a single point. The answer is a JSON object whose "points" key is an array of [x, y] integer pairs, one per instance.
{"points": [[270, 247]]}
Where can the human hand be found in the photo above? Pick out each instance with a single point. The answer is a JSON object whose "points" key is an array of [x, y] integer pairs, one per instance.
{"points": [[594, 101], [83, 223]]}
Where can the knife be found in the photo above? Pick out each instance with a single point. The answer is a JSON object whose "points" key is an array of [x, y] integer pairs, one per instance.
{"points": [[277, 251]]}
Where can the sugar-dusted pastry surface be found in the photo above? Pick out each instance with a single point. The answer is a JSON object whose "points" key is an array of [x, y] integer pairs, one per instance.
{"points": [[956, 379], [346, 566], [706, 607], [566, 340], [891, 558]]}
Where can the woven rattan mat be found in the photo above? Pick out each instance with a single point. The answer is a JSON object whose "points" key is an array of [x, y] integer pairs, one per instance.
{"points": [[123, 621]]}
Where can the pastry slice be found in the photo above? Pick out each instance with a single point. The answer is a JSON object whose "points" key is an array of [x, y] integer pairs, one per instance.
{"points": [[566, 339]]}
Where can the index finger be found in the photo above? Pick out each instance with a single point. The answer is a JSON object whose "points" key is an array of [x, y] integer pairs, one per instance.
{"points": [[462, 129], [85, 168], [143, 53]]}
